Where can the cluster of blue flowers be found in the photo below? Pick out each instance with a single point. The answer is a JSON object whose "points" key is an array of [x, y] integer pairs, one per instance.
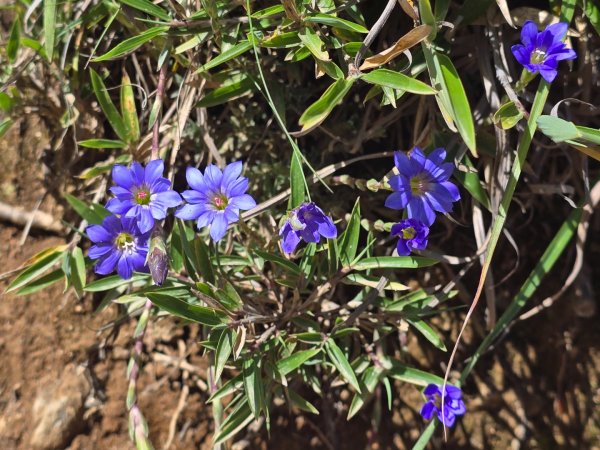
{"points": [[143, 196]]}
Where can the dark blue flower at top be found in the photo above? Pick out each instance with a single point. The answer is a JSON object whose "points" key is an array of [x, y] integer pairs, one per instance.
{"points": [[307, 222], [142, 193], [541, 51], [216, 197], [453, 404], [422, 187], [118, 244], [412, 235]]}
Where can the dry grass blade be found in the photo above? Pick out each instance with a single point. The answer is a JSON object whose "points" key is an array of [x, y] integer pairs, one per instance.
{"points": [[410, 39]]}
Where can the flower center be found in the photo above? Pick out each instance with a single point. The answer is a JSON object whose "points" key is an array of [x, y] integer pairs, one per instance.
{"points": [[142, 196], [437, 401], [219, 202], [125, 242], [408, 233], [419, 184], [537, 56]]}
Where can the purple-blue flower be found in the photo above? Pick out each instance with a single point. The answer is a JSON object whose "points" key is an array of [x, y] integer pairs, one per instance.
{"points": [[422, 187], [307, 222], [118, 243], [453, 404], [142, 193], [216, 197], [412, 235], [541, 51]]}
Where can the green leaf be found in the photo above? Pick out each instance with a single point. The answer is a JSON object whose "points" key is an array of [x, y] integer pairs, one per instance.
{"points": [[508, 115], [253, 385], [336, 22], [349, 240], [292, 362], [297, 182], [228, 388], [42, 282], [93, 214], [227, 55], [5, 125], [236, 421], [425, 436], [226, 92], [396, 80], [224, 348], [148, 7], [102, 143], [36, 269], [451, 98], [394, 262], [49, 26], [131, 44], [316, 113], [402, 372], [427, 17], [341, 363], [78, 270], [592, 12], [301, 402], [107, 105], [128, 110], [428, 332], [179, 308], [112, 282], [313, 43], [12, 45], [470, 180], [557, 129], [369, 381]]}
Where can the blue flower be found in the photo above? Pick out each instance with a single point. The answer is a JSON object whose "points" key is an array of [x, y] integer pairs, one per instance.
{"points": [[142, 193], [118, 243], [413, 235], [422, 187], [453, 404], [541, 51], [307, 222], [216, 197]]}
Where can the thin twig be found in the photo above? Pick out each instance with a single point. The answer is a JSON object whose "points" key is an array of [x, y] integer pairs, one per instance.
{"points": [[375, 30], [160, 91]]}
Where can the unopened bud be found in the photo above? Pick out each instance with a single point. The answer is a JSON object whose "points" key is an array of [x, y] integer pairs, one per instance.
{"points": [[157, 259]]}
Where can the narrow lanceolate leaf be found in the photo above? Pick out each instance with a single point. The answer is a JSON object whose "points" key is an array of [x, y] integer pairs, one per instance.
{"points": [[112, 282], [428, 332], [36, 269], [102, 143], [128, 110], [227, 55], [313, 43], [396, 80], [43, 282], [49, 27], [297, 182], [349, 240], [238, 419], [427, 17], [316, 113], [369, 381], [292, 362], [226, 92], [131, 44], [93, 214], [336, 22], [425, 436], [393, 262], [179, 308], [78, 270], [410, 39], [224, 348], [13, 41], [253, 385], [451, 98], [107, 105], [148, 7], [301, 402], [5, 125], [339, 360], [557, 129], [411, 375]]}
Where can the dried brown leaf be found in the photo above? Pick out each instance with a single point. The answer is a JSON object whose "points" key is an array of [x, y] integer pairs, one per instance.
{"points": [[408, 6], [410, 39]]}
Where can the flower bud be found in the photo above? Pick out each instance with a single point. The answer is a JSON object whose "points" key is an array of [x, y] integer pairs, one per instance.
{"points": [[157, 259]]}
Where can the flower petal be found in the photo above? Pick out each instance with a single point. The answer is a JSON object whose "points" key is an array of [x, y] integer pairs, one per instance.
{"points": [[116, 206], [189, 211], [205, 218], [448, 418], [402, 247], [108, 264], [124, 267], [167, 199], [122, 176], [420, 209], [521, 53], [154, 171], [289, 238], [237, 188], [397, 200], [326, 227], [213, 177], [566, 53], [218, 228], [145, 221], [98, 251], [417, 158], [243, 202], [548, 74], [428, 410], [431, 390], [137, 173], [230, 173], [529, 33], [195, 179], [403, 164], [97, 233], [193, 196], [558, 31]]}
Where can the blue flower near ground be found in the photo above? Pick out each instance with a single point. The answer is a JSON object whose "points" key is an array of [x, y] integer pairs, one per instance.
{"points": [[422, 187], [142, 193], [453, 404], [216, 197], [118, 244], [413, 236], [307, 222], [541, 51]]}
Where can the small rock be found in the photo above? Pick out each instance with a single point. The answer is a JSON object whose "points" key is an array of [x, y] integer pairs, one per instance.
{"points": [[58, 410]]}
